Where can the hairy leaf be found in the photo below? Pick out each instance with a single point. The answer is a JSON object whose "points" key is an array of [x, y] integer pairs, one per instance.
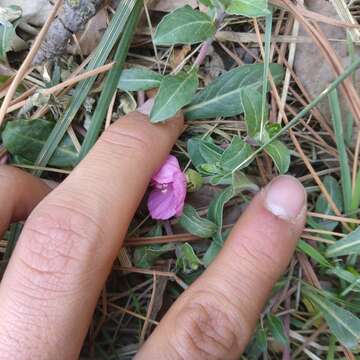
{"points": [[175, 92], [139, 79], [194, 224], [25, 138], [342, 323], [223, 96], [277, 330], [280, 155], [250, 8], [184, 26], [235, 154], [251, 101], [349, 245]]}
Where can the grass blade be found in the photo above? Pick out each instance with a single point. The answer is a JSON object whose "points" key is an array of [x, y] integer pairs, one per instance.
{"points": [[111, 81], [101, 54], [268, 29], [341, 146]]}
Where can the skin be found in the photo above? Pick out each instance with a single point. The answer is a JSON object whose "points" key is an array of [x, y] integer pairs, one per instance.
{"points": [[73, 234]]}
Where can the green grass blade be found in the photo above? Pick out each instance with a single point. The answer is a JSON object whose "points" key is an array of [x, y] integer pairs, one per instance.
{"points": [[111, 82], [355, 202], [341, 146], [102, 52], [268, 30]]}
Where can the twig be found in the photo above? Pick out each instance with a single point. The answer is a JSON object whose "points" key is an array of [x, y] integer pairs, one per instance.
{"points": [[27, 62]]}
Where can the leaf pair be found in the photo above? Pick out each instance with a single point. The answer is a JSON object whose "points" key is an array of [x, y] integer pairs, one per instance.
{"points": [[216, 163], [221, 98], [254, 118]]}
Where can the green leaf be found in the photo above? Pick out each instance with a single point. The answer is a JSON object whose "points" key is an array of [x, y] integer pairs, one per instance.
{"points": [[236, 154], [322, 206], [194, 224], [211, 253], [347, 276], [277, 330], [216, 207], [341, 147], [250, 8], [187, 260], [7, 32], [223, 96], [280, 155], [146, 256], [313, 253], [332, 186], [349, 245], [258, 346], [193, 147], [175, 92], [210, 152], [139, 79], [184, 26], [251, 101], [26, 138], [342, 323]]}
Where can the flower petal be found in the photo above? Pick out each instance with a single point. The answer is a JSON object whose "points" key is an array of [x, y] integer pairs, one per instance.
{"points": [[161, 204], [179, 189], [166, 173]]}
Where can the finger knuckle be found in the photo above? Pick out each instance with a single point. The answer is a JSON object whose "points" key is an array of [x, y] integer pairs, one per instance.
{"points": [[252, 252], [128, 141], [55, 245], [206, 328]]}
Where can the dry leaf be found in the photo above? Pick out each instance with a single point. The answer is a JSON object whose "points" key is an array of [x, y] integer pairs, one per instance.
{"points": [[178, 55]]}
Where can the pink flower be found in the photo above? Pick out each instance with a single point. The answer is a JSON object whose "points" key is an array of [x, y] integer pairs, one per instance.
{"points": [[168, 196]]}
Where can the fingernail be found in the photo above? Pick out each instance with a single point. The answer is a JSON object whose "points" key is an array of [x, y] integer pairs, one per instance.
{"points": [[146, 107], [285, 197]]}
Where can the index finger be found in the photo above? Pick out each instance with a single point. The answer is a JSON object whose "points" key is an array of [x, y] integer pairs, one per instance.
{"points": [[68, 244]]}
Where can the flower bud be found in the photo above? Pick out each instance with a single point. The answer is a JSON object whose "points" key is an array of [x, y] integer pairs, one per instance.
{"points": [[194, 180]]}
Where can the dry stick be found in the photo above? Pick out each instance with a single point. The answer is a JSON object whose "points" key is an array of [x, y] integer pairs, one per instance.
{"points": [[27, 62], [342, 219], [298, 145], [110, 111], [291, 58], [321, 18], [69, 82], [149, 311], [330, 56], [132, 313]]}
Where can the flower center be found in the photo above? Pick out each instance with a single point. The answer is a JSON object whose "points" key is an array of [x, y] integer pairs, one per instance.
{"points": [[163, 188]]}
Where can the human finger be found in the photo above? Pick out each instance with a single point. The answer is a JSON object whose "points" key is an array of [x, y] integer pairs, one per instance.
{"points": [[215, 317], [71, 239]]}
